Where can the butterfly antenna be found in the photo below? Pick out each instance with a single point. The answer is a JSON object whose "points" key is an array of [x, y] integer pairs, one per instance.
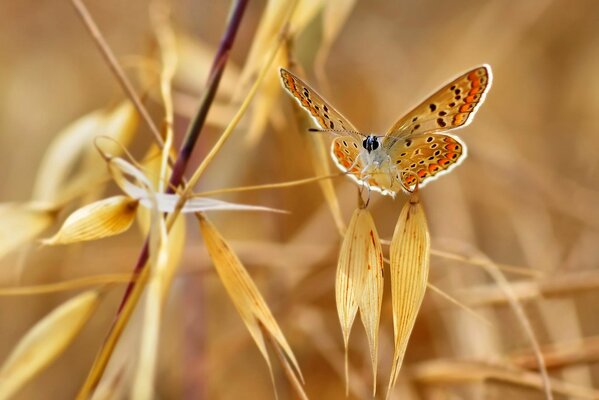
{"points": [[335, 131]]}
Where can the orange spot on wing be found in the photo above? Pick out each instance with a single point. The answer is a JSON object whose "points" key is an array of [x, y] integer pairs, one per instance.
{"points": [[433, 168], [422, 173], [444, 162], [466, 108], [452, 146], [475, 90], [472, 76], [459, 118], [470, 99]]}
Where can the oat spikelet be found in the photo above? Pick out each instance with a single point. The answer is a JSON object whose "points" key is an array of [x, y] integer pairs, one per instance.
{"points": [[100, 219], [45, 342], [22, 223], [359, 281], [372, 298], [410, 256]]}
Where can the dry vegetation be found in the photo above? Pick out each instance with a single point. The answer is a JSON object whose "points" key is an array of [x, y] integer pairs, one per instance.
{"points": [[510, 310]]}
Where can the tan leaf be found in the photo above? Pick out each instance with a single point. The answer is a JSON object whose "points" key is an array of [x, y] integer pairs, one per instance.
{"points": [[103, 218], [410, 253], [21, 223], [265, 104], [71, 162], [334, 15], [245, 295], [45, 342]]}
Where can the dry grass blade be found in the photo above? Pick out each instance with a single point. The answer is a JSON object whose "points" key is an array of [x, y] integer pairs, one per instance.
{"points": [[459, 304], [55, 182], [271, 23], [101, 219], [410, 256], [320, 158], [504, 284], [265, 106], [352, 272], [21, 223], [445, 372], [334, 15], [72, 284], [45, 342], [320, 162], [245, 295]]}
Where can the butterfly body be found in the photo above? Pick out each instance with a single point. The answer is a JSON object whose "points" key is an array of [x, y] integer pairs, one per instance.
{"points": [[415, 150]]}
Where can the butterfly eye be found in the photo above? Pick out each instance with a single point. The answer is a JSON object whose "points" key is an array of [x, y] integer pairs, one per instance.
{"points": [[370, 143]]}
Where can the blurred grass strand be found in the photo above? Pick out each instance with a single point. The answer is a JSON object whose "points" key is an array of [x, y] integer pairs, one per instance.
{"points": [[114, 65], [71, 284]]}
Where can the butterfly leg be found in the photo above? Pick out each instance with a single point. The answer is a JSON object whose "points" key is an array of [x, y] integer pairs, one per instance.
{"points": [[363, 186]]}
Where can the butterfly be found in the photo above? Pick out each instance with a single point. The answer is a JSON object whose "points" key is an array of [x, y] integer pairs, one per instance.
{"points": [[416, 149]]}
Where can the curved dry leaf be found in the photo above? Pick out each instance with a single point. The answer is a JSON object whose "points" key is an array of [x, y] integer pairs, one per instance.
{"points": [[45, 342], [103, 218], [22, 223], [410, 256], [75, 146], [245, 295]]}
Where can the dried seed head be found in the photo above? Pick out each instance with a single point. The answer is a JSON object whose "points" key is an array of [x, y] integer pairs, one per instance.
{"points": [[410, 252], [359, 282]]}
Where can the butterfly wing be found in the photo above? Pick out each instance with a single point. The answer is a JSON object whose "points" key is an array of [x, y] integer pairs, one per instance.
{"points": [[422, 158], [453, 106], [320, 110], [346, 154]]}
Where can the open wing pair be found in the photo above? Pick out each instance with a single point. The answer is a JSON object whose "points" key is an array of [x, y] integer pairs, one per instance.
{"points": [[417, 149]]}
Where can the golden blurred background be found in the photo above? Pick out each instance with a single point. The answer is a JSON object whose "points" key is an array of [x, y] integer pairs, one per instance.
{"points": [[526, 196]]}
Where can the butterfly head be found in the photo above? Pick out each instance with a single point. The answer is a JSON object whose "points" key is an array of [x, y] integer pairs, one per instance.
{"points": [[371, 143]]}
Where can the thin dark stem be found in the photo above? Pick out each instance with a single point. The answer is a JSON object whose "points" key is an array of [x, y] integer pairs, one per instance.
{"points": [[220, 60], [218, 66], [216, 72]]}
